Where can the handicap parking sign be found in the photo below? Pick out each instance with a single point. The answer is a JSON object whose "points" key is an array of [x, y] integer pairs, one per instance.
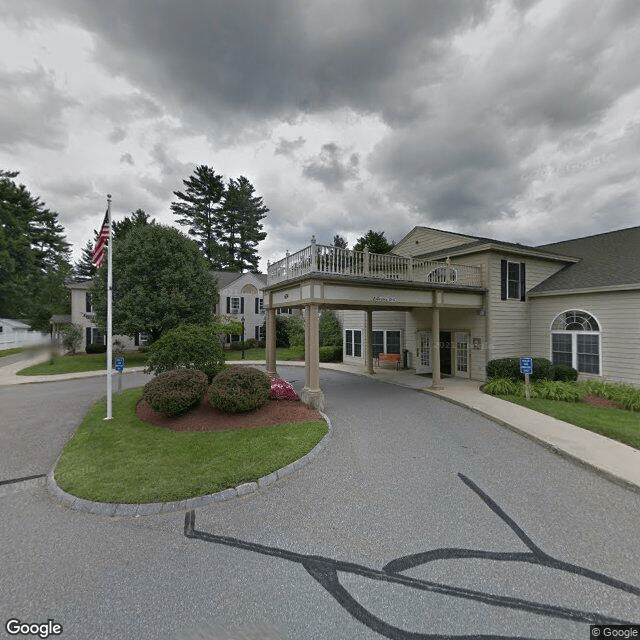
{"points": [[526, 365], [119, 364]]}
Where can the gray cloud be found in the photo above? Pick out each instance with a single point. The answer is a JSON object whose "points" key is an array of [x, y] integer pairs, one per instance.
{"points": [[332, 167], [34, 109], [289, 147]]}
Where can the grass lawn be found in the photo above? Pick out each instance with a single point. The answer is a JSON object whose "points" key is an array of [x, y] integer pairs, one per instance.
{"points": [[81, 362], [125, 460], [617, 424], [10, 352], [98, 361]]}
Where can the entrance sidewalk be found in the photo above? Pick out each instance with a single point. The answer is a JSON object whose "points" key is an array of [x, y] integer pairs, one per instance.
{"points": [[618, 462]]}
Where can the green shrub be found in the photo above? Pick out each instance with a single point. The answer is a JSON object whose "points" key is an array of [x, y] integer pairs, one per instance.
{"points": [[509, 368], [71, 337], [328, 354], [557, 390], [190, 346], [173, 393], [295, 330], [239, 389], [329, 329], [543, 369], [504, 387], [96, 347], [565, 373], [625, 395]]}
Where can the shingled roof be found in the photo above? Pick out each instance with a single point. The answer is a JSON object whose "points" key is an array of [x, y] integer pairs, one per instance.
{"points": [[606, 260]]}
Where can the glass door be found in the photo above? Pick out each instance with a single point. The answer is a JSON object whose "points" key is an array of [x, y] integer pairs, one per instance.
{"points": [[423, 354], [462, 355]]}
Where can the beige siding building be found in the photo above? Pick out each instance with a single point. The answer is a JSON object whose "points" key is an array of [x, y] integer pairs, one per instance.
{"points": [[447, 303]]}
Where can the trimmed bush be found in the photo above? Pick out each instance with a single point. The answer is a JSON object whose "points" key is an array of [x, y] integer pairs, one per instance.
{"points": [[565, 373], [509, 368], [330, 354], [239, 389], [173, 393], [190, 346], [96, 347], [543, 369], [282, 390]]}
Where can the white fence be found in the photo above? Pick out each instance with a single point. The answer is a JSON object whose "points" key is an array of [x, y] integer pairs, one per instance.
{"points": [[318, 258]]}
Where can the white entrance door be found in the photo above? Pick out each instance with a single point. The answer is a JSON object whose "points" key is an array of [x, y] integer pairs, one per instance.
{"points": [[462, 355], [423, 355]]}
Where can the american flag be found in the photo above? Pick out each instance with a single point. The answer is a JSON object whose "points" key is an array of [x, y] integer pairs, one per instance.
{"points": [[101, 242]]}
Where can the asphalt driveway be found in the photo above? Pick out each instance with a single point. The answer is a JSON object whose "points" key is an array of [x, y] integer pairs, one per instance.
{"points": [[419, 520]]}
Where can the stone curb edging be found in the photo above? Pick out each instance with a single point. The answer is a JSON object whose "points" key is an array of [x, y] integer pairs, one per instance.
{"points": [[153, 508]]}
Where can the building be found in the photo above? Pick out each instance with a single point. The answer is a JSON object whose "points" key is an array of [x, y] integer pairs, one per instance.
{"points": [[448, 302], [240, 297]]}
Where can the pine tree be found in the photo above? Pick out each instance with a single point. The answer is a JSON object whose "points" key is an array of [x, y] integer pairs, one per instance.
{"points": [[84, 269], [34, 256], [240, 229], [224, 221], [200, 208]]}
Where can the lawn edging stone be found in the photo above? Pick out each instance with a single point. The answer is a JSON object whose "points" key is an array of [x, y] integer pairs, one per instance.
{"points": [[153, 508]]}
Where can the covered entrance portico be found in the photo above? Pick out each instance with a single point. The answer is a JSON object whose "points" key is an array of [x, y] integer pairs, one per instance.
{"points": [[328, 278]]}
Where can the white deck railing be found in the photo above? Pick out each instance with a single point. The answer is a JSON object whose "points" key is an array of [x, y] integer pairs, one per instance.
{"points": [[317, 258]]}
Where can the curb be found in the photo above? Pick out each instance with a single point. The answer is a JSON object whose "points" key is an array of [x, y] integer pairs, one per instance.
{"points": [[550, 446], [153, 508]]}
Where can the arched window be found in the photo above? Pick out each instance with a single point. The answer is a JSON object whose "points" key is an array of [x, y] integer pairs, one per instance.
{"points": [[575, 340]]}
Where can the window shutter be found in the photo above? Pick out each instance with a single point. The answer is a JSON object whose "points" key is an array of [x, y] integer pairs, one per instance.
{"points": [[136, 340], [522, 282], [242, 304], [503, 279], [257, 311], [87, 336], [228, 304], [87, 302]]}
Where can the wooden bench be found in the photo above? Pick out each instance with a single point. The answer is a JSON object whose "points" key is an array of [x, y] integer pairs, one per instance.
{"points": [[389, 358]]}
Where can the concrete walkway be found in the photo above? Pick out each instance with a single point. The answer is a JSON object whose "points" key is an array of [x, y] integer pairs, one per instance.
{"points": [[614, 460]]}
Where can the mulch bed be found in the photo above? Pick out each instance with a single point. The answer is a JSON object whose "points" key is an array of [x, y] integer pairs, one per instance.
{"points": [[598, 401], [206, 418]]}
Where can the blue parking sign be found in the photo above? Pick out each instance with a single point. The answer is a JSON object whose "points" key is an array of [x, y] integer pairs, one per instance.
{"points": [[526, 365], [119, 364]]}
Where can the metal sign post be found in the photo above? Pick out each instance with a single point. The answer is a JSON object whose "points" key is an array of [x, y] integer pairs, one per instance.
{"points": [[526, 367], [119, 369]]}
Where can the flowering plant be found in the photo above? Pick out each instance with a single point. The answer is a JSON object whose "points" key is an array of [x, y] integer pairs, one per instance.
{"points": [[282, 390]]}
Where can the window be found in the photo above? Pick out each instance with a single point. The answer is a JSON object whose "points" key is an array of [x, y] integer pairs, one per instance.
{"points": [[512, 280], [88, 307], [353, 343], [93, 336], [575, 340], [286, 311], [259, 306], [260, 333], [385, 342], [235, 305]]}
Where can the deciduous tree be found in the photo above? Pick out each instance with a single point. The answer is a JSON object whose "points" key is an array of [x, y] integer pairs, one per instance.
{"points": [[160, 281]]}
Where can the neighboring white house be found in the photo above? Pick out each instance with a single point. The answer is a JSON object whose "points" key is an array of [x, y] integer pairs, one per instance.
{"points": [[240, 296], [462, 300], [14, 333]]}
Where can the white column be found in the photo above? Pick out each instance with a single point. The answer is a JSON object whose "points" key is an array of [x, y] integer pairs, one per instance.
{"points": [[312, 395], [435, 345], [271, 343], [368, 337]]}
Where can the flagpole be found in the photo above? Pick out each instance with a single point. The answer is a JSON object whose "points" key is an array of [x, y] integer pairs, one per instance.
{"points": [[109, 313]]}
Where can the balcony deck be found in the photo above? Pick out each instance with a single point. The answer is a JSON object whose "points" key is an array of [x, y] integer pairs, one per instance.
{"points": [[327, 260]]}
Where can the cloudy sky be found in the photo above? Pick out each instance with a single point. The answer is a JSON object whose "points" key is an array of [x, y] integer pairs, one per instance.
{"points": [[514, 119]]}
